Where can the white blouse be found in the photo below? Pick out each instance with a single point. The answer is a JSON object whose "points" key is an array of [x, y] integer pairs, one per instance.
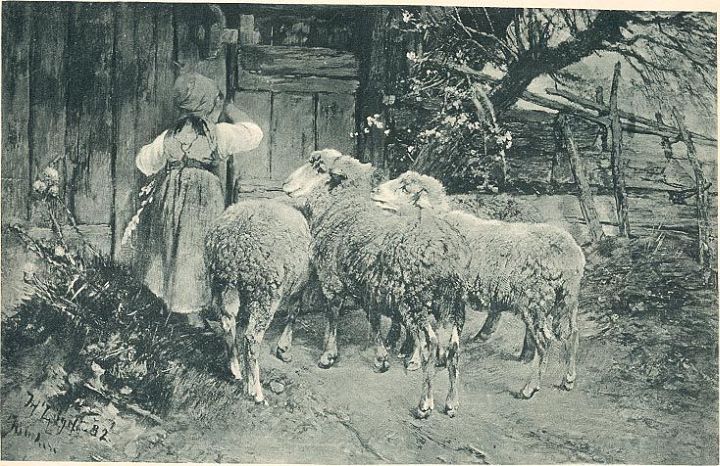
{"points": [[231, 138]]}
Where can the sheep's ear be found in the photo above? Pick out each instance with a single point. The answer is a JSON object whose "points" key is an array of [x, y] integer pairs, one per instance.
{"points": [[338, 173], [422, 199], [337, 176]]}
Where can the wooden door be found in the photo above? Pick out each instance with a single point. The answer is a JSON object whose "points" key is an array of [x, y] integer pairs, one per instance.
{"points": [[303, 98]]}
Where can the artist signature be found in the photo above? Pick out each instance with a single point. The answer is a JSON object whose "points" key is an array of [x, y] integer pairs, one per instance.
{"points": [[57, 422]]}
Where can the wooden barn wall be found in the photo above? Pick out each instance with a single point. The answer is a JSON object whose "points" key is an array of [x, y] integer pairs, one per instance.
{"points": [[84, 87], [87, 85], [653, 182]]}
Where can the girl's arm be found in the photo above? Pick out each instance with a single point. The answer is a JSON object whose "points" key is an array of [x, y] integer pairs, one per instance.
{"points": [[241, 135], [151, 159]]}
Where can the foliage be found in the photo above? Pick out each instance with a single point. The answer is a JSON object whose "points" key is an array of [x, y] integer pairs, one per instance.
{"points": [[118, 341], [467, 66], [634, 290]]}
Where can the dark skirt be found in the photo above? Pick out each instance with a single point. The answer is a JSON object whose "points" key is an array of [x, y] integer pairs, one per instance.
{"points": [[184, 206]]}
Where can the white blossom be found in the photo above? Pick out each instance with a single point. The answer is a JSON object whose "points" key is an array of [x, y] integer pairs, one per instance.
{"points": [[39, 186], [50, 174]]}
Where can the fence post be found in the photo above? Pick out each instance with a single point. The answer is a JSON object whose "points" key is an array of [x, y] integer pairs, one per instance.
{"points": [[701, 185], [601, 140], [664, 141], [621, 203], [587, 203]]}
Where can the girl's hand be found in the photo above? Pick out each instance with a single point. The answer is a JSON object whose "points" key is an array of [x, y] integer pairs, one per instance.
{"points": [[235, 115]]}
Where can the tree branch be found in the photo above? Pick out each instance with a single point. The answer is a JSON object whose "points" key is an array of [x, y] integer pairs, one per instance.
{"points": [[605, 28]]}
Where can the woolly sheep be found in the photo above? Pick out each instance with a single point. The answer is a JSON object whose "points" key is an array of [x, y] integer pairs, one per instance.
{"points": [[389, 264], [533, 270], [257, 256]]}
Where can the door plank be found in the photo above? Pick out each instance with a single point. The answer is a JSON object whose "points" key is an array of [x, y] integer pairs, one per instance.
{"points": [[88, 135], [255, 164], [336, 122], [293, 132]]}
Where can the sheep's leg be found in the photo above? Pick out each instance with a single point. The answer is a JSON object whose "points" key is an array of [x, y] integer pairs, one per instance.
{"points": [[413, 362], [539, 364], [453, 359], [330, 351], [259, 321], [490, 325], [393, 336], [381, 354], [229, 308], [571, 346], [285, 342], [413, 345], [528, 350], [427, 404], [444, 335]]}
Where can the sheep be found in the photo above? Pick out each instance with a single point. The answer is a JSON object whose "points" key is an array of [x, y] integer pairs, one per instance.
{"points": [[534, 270], [408, 266], [257, 257]]}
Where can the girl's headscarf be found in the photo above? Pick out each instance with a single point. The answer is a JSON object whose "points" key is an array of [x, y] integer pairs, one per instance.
{"points": [[195, 94]]}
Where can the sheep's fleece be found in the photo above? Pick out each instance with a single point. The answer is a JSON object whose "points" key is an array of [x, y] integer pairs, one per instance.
{"points": [[380, 258], [259, 246], [526, 267]]}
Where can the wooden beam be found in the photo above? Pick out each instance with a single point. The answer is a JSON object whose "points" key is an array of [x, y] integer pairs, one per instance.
{"points": [[601, 140], [616, 161], [701, 203], [665, 130], [587, 203], [299, 61], [664, 142]]}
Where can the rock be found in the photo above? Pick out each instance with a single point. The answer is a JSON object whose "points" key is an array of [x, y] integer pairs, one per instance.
{"points": [[277, 387]]}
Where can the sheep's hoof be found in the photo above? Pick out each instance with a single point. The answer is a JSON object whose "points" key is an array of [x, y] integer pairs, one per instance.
{"points": [[528, 392], [420, 413], [450, 410], [526, 357], [441, 361], [412, 365], [568, 383], [381, 365], [261, 402], [235, 369], [283, 354], [327, 361], [482, 337]]}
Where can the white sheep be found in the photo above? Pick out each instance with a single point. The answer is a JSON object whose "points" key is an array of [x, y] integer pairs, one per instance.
{"points": [[533, 270], [390, 264], [257, 256]]}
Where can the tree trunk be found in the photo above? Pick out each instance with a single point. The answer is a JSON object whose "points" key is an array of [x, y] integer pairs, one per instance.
{"points": [[533, 63]]}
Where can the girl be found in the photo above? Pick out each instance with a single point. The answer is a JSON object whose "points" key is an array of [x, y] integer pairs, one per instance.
{"points": [[188, 194]]}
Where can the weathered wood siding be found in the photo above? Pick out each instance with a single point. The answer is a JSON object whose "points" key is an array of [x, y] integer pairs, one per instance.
{"points": [[15, 158], [84, 87], [302, 97], [653, 182]]}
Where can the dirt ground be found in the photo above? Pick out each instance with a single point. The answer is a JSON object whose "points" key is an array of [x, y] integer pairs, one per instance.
{"points": [[349, 414]]}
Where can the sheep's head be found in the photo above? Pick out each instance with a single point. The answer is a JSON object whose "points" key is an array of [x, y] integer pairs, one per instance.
{"points": [[411, 190], [326, 169]]}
